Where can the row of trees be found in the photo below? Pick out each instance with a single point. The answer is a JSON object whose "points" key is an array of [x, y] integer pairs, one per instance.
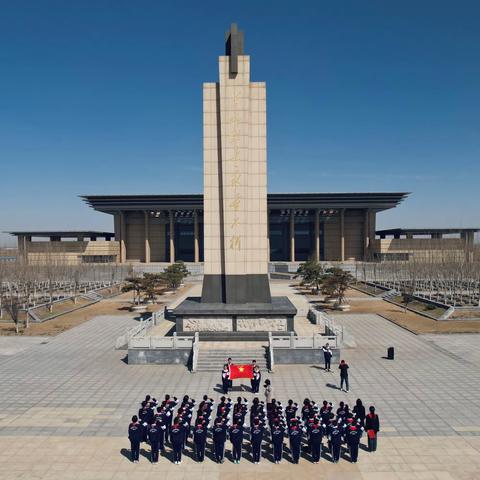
{"points": [[446, 279], [333, 282], [25, 286]]}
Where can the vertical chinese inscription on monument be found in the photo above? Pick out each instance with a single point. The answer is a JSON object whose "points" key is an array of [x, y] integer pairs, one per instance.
{"points": [[234, 179]]}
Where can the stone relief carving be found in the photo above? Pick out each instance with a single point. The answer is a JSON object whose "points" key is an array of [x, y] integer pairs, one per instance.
{"points": [[248, 324], [219, 324]]}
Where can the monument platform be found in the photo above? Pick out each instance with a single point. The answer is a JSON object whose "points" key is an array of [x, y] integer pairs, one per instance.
{"points": [[243, 321]]}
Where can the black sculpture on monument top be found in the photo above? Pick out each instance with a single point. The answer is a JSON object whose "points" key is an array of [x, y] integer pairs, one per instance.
{"points": [[233, 47]]}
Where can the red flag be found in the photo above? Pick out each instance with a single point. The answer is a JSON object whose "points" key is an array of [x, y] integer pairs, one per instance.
{"points": [[241, 371]]}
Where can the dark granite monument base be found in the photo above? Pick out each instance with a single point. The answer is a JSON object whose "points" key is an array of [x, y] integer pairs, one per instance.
{"points": [[236, 289], [230, 321]]}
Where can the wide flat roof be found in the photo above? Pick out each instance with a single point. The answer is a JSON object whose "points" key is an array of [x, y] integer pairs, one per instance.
{"points": [[375, 200], [424, 231], [62, 233]]}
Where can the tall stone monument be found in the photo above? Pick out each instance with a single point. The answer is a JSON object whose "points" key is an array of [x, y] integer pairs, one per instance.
{"points": [[235, 182], [236, 293]]}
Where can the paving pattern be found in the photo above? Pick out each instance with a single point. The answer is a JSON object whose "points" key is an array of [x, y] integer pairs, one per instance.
{"points": [[69, 399], [397, 458]]}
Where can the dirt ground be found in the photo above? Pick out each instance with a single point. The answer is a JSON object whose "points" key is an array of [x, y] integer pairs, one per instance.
{"points": [[118, 305], [362, 303]]}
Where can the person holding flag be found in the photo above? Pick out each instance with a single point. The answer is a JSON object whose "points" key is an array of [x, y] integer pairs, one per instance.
{"points": [[225, 379]]}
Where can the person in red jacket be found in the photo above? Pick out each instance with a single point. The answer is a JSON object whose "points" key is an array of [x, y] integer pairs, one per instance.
{"points": [[372, 427]]}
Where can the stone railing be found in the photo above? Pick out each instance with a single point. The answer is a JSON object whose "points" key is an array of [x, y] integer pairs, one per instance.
{"points": [[172, 342], [331, 328], [292, 341], [271, 359], [140, 330]]}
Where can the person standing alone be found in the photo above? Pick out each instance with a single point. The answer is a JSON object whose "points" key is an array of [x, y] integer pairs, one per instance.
{"points": [[268, 394], [327, 355], [372, 427], [343, 367]]}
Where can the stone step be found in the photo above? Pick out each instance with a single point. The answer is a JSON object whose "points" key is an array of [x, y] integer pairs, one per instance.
{"points": [[212, 360]]}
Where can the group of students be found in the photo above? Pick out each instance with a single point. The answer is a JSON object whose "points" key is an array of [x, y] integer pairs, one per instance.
{"points": [[308, 425]]}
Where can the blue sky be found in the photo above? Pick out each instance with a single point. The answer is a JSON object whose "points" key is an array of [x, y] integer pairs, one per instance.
{"points": [[102, 97]]}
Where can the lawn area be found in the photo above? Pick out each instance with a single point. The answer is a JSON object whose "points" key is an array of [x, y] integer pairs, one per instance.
{"points": [[61, 307], [413, 321], [421, 307], [363, 287]]}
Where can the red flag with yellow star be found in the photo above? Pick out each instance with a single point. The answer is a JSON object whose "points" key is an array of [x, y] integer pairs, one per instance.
{"points": [[241, 371]]}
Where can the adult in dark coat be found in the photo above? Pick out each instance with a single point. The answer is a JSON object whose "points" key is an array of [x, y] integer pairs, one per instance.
{"points": [[343, 367], [372, 427], [359, 412]]}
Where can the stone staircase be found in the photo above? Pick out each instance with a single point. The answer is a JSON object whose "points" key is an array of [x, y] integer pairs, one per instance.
{"points": [[212, 360]]}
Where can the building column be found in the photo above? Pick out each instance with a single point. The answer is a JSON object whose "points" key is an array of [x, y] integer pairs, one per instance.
{"points": [[268, 235], [196, 245], [317, 235], [22, 248], [366, 234], [123, 235], [146, 257], [342, 235], [292, 235], [468, 241], [172, 236]]}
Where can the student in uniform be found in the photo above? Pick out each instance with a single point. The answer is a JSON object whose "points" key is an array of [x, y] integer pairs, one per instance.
{"points": [[256, 436], [240, 409], [225, 379], [372, 427], [290, 411], [135, 435], [354, 434], [236, 438], [257, 377], [154, 438], [177, 437], [229, 366], [335, 438], [278, 432], [219, 435], [295, 434], [326, 413], [252, 383], [315, 435], [200, 438], [327, 356], [168, 406]]}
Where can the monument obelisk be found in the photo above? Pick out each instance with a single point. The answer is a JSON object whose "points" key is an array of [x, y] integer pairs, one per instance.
{"points": [[235, 182], [236, 301]]}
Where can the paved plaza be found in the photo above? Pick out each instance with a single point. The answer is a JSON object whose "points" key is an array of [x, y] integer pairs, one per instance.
{"points": [[66, 402]]}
